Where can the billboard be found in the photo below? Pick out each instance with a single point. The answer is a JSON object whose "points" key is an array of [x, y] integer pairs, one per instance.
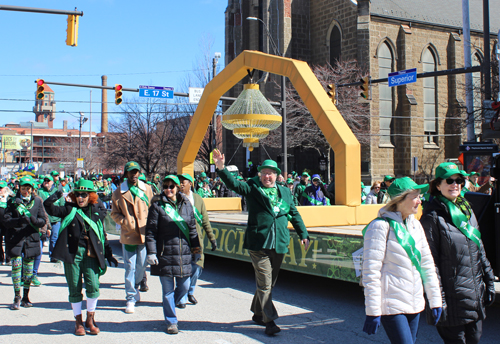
{"points": [[16, 142]]}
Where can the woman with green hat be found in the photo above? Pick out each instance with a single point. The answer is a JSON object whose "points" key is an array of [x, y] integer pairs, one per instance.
{"points": [[83, 247], [23, 219], [398, 266], [171, 239], [455, 241]]}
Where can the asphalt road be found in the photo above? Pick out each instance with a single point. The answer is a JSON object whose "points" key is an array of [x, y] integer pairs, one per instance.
{"points": [[312, 310]]}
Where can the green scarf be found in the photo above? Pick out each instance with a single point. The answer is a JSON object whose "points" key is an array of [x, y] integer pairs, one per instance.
{"points": [[406, 241], [198, 216], [460, 215], [136, 192], [179, 221], [276, 203]]}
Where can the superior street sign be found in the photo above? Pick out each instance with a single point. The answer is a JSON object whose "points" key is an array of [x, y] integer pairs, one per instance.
{"points": [[156, 92], [402, 77]]}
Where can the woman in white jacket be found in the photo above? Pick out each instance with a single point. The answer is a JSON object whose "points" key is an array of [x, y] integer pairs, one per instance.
{"points": [[371, 198], [398, 266]]}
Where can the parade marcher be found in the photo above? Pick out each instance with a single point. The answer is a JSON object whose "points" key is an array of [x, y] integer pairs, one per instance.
{"points": [[171, 239], [467, 280], [371, 198], [202, 223], [315, 194], [473, 186], [83, 247], [48, 189], [300, 187], [398, 267], [289, 184], [383, 197], [23, 219], [57, 180], [130, 211], [267, 237]]}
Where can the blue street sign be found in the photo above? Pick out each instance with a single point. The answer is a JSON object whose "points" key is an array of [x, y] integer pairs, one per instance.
{"points": [[156, 92], [402, 77]]}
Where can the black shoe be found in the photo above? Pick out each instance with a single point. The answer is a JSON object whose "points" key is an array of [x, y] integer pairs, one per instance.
{"points": [[181, 305], [258, 320], [144, 286], [272, 328], [192, 299], [26, 303], [53, 260]]}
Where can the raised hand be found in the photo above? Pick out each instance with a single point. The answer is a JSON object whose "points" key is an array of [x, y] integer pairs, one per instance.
{"points": [[219, 159]]}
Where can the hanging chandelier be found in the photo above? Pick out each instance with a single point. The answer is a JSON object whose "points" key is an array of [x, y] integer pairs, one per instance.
{"points": [[251, 117]]}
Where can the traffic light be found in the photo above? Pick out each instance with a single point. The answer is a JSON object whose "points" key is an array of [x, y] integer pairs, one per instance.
{"points": [[118, 94], [72, 31], [332, 93], [365, 87], [40, 89]]}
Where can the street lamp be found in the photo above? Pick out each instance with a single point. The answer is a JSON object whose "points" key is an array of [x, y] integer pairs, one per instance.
{"points": [[283, 97]]}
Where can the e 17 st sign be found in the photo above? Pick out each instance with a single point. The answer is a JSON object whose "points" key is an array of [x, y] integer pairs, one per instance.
{"points": [[156, 92]]}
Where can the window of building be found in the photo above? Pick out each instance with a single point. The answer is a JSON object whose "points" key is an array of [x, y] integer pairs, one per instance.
{"points": [[430, 97], [335, 45], [386, 104]]}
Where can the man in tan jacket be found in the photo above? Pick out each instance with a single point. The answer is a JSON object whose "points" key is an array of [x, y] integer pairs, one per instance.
{"points": [[131, 202]]}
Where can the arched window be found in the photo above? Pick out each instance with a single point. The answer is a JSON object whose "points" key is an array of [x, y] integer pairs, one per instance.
{"points": [[430, 97], [386, 107], [476, 92], [335, 44]]}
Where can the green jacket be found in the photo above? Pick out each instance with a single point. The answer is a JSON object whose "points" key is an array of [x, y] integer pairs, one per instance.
{"points": [[261, 216], [44, 194]]}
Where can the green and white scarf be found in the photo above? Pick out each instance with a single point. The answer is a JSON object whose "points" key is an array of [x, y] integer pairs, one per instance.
{"points": [[179, 221], [458, 212], [276, 203], [136, 192]]}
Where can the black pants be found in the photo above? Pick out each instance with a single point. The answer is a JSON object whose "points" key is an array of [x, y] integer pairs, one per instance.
{"points": [[467, 334]]}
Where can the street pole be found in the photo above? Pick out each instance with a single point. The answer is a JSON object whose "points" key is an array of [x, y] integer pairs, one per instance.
{"points": [[80, 137], [469, 100], [31, 153], [486, 61]]}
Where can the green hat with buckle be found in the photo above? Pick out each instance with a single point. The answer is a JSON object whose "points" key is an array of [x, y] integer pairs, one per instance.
{"points": [[173, 178], [27, 180], [132, 165], [186, 176], [84, 185], [271, 164], [446, 170], [401, 185]]}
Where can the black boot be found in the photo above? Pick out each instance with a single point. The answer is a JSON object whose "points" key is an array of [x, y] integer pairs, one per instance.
{"points": [[25, 302], [17, 302]]}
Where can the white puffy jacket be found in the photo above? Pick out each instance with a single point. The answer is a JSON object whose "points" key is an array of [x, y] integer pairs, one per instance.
{"points": [[392, 284]]}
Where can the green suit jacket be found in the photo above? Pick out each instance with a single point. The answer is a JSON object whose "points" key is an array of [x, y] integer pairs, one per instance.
{"points": [[261, 216]]}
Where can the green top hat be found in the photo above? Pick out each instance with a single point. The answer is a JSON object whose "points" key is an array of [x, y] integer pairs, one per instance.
{"points": [[269, 164], [446, 170], [84, 185], [389, 178], [27, 180], [142, 177], [173, 178], [401, 185], [186, 176], [54, 173], [132, 165]]}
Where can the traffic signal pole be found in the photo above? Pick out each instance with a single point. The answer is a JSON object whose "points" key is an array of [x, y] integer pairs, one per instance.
{"points": [[39, 10]]}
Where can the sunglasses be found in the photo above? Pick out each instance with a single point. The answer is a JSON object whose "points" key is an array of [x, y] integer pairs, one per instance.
{"points": [[171, 187], [81, 194], [450, 181]]}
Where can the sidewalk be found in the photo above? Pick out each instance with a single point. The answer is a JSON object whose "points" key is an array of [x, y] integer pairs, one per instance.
{"points": [[221, 316]]}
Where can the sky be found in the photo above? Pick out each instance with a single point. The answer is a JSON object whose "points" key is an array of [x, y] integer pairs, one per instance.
{"points": [[132, 42]]}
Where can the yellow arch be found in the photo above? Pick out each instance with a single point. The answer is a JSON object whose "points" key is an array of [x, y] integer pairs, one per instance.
{"points": [[336, 131]]}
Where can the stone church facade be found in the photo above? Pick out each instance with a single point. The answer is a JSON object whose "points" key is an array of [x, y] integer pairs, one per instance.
{"points": [[424, 119]]}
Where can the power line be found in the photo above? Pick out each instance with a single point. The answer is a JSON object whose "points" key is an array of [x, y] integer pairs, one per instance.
{"points": [[138, 73]]}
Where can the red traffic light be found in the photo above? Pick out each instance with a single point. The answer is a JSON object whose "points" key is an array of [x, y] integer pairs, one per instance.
{"points": [[40, 82], [118, 87]]}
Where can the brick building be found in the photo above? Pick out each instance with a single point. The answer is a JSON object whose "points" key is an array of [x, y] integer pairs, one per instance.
{"points": [[423, 119]]}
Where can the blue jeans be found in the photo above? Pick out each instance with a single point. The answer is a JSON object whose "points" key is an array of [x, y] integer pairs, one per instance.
{"points": [[53, 236], [38, 259], [401, 328], [196, 273], [173, 288], [135, 265]]}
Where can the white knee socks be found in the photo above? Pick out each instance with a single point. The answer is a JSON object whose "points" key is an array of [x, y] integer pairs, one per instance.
{"points": [[91, 305], [77, 308]]}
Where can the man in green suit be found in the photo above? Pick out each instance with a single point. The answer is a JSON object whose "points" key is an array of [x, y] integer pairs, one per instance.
{"points": [[270, 207]]}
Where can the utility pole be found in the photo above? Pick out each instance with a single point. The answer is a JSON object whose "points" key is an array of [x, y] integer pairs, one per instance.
{"points": [[486, 61], [469, 100], [82, 120], [213, 141], [31, 156]]}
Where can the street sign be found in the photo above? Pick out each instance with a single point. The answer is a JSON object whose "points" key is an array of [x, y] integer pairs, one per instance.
{"points": [[195, 95], [156, 92], [403, 77], [79, 163]]}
